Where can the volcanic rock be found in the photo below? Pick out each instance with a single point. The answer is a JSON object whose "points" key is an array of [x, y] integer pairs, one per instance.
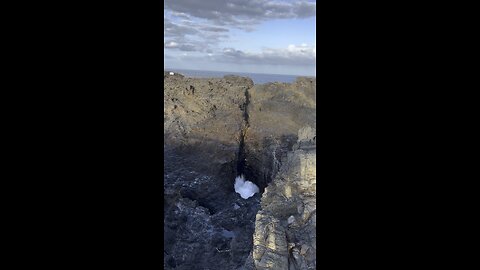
{"points": [[217, 129]]}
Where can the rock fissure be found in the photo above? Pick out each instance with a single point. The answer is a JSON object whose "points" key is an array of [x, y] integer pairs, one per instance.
{"points": [[215, 130], [242, 158]]}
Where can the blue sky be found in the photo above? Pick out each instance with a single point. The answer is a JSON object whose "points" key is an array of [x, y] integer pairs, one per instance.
{"points": [[258, 36]]}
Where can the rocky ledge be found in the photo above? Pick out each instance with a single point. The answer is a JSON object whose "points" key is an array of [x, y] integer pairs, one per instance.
{"points": [[217, 129], [285, 226]]}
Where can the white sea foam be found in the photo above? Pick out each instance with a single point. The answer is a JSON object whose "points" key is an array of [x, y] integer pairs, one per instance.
{"points": [[246, 189]]}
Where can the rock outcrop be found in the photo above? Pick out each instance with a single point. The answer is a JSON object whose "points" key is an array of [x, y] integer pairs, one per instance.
{"points": [[207, 224], [215, 130], [276, 112], [285, 226]]}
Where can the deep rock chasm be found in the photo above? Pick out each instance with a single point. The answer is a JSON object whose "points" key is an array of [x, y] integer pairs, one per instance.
{"points": [[216, 129]]}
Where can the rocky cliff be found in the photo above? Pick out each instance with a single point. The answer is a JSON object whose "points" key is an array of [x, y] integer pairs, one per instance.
{"points": [[285, 226], [276, 112], [214, 130]]}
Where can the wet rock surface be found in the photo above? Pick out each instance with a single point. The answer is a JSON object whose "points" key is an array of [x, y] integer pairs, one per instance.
{"points": [[215, 130]]}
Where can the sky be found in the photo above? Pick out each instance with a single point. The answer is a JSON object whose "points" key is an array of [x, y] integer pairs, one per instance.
{"points": [[254, 36]]}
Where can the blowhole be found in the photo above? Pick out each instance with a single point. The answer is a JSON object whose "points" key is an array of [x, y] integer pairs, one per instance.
{"points": [[244, 187], [257, 177]]}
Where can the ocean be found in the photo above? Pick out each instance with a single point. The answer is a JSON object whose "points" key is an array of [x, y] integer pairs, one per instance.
{"points": [[258, 78]]}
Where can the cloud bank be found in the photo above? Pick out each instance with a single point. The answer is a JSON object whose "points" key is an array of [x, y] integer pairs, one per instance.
{"points": [[196, 30]]}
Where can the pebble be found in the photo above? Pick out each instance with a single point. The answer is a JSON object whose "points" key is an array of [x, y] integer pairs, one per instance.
{"points": [[291, 219]]}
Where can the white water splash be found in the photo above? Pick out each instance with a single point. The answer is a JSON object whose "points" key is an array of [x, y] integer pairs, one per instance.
{"points": [[246, 189]]}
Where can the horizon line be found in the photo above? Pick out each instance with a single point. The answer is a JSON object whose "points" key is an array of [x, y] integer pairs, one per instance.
{"points": [[164, 69]]}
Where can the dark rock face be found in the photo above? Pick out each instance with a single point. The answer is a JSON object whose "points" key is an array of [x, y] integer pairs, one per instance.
{"points": [[216, 129], [207, 225], [276, 112]]}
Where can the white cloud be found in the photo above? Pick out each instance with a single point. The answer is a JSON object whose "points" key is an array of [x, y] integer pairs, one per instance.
{"points": [[292, 55], [240, 13]]}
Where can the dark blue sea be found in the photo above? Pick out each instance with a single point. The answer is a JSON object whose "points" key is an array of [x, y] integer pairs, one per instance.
{"points": [[257, 78]]}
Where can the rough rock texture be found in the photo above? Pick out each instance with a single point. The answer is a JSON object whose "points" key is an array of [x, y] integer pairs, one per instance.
{"points": [[285, 226], [207, 224], [214, 130], [276, 112]]}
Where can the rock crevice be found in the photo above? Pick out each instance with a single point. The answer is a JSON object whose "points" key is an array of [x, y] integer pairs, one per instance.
{"points": [[215, 130], [288, 212], [241, 164]]}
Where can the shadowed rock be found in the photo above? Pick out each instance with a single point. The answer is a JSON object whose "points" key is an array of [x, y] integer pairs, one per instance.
{"points": [[215, 130]]}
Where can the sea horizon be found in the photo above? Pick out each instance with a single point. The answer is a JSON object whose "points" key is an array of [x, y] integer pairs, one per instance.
{"points": [[257, 78]]}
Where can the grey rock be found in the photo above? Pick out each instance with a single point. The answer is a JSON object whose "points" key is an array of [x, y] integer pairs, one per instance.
{"points": [[290, 244], [215, 129]]}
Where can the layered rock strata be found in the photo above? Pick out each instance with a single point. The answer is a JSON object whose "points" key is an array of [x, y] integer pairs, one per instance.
{"points": [[285, 226]]}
